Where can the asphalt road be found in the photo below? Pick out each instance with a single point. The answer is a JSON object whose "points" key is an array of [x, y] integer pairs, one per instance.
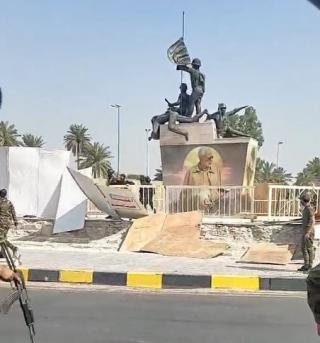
{"points": [[100, 316]]}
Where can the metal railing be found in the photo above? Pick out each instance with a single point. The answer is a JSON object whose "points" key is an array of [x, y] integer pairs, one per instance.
{"points": [[284, 201], [214, 201], [226, 201], [152, 197]]}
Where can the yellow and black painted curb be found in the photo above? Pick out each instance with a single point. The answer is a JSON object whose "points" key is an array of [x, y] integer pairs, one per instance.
{"points": [[158, 280]]}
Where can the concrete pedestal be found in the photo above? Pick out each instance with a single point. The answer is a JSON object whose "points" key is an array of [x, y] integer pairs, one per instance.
{"points": [[233, 160]]}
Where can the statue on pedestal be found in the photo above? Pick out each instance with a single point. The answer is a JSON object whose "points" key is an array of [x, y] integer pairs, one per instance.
{"points": [[197, 82], [221, 119], [179, 111], [182, 110]]}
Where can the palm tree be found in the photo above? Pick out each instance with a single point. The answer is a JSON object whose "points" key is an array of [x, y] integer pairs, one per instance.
{"points": [[97, 156], [264, 171], [310, 175], [30, 140], [158, 176], [76, 139], [267, 172], [8, 134], [281, 176]]}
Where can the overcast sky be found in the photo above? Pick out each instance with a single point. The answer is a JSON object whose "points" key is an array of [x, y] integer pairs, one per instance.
{"points": [[66, 61]]}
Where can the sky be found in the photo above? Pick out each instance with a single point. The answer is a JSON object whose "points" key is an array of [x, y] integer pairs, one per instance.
{"points": [[66, 61]]}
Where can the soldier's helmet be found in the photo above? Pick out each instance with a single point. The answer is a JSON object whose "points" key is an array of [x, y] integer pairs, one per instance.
{"points": [[222, 106], [196, 62], [183, 86], [3, 193], [305, 197]]}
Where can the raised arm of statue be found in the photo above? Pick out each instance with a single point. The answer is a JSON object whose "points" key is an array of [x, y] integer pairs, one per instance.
{"points": [[236, 110], [212, 116], [183, 68], [172, 104]]}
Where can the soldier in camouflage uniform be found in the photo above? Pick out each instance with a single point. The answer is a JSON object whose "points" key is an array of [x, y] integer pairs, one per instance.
{"points": [[308, 221], [7, 217]]}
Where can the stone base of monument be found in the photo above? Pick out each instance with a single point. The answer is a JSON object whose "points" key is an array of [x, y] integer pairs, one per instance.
{"points": [[233, 159]]}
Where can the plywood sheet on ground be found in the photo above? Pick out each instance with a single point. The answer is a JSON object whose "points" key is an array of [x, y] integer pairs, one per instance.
{"points": [[142, 231], [171, 235], [187, 223], [171, 244], [268, 253]]}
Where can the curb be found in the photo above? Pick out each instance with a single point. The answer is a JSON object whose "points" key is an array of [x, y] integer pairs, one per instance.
{"points": [[173, 281]]}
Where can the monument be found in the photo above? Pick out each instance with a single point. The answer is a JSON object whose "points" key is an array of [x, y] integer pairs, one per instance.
{"points": [[208, 155]]}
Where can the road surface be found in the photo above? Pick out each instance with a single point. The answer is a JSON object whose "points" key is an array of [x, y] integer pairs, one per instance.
{"points": [[101, 316]]}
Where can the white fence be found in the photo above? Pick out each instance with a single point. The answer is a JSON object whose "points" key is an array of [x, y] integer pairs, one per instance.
{"points": [[280, 201], [214, 201], [284, 201]]}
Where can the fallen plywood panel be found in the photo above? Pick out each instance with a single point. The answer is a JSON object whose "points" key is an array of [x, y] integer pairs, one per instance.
{"points": [[268, 253], [187, 223], [170, 244], [171, 235], [142, 231]]}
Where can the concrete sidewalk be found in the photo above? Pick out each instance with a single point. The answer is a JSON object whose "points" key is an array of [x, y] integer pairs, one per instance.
{"points": [[60, 263]]}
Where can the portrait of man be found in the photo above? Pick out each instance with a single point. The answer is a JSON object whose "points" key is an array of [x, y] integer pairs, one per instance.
{"points": [[204, 172]]}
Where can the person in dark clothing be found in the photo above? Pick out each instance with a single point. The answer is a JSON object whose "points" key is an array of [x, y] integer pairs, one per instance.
{"points": [[146, 193], [307, 238]]}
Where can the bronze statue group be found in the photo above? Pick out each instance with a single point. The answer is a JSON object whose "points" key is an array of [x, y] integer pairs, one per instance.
{"points": [[182, 111]]}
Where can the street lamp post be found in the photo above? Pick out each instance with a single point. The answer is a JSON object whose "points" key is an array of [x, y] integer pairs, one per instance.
{"points": [[278, 150], [118, 161], [147, 151]]}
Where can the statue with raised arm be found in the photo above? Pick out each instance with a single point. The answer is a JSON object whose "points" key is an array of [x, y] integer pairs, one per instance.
{"points": [[197, 82], [221, 119], [179, 111]]}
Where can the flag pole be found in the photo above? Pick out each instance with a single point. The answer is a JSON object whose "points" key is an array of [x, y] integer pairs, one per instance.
{"points": [[181, 76]]}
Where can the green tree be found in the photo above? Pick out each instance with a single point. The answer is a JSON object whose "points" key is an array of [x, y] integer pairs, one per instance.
{"points": [[158, 175], [8, 134], [98, 157], [267, 172], [30, 140], [76, 139], [249, 124], [310, 175]]}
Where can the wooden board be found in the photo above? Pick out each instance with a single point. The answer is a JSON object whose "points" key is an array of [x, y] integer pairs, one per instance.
{"points": [[268, 253], [142, 231], [170, 244], [171, 235]]}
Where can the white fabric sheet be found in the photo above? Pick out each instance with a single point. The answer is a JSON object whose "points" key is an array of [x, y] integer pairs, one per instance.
{"points": [[23, 170], [51, 167], [4, 174]]}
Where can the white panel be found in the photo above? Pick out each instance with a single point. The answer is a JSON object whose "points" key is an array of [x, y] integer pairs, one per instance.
{"points": [[123, 201], [23, 179], [4, 175], [72, 206], [51, 167], [92, 192]]}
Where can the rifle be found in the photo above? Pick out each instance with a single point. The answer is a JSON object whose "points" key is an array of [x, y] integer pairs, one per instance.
{"points": [[19, 293]]}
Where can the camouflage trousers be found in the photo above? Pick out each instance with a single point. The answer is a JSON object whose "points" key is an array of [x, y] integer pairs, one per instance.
{"points": [[4, 228], [308, 249]]}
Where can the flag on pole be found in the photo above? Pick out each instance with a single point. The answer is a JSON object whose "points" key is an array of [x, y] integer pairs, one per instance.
{"points": [[178, 53], [316, 3]]}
